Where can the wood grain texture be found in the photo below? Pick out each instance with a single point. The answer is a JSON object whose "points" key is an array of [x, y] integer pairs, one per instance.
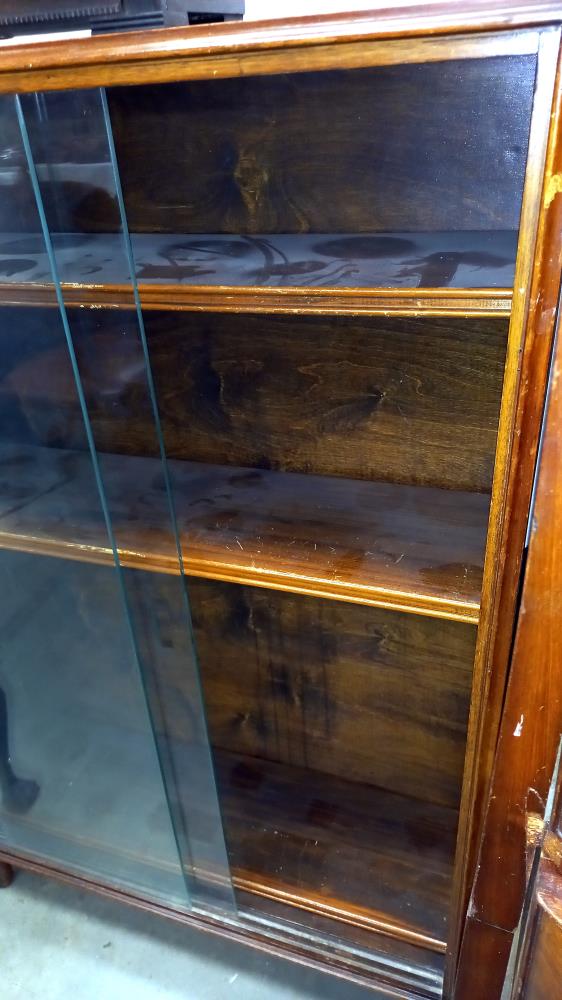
{"points": [[484, 958], [531, 335], [275, 46], [404, 400], [535, 967], [541, 321], [321, 685], [542, 976], [538, 974], [471, 303], [408, 401], [217, 610], [203, 67], [411, 967], [526, 754], [411, 548], [351, 851], [300, 158]]}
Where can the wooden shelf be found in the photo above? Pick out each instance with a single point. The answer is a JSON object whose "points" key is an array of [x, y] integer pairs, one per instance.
{"points": [[402, 547], [371, 859], [356, 853], [462, 273]]}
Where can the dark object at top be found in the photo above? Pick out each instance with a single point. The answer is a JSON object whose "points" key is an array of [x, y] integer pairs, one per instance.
{"points": [[34, 16]]}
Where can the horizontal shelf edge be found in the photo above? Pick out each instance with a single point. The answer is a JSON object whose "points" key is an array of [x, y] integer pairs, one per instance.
{"points": [[393, 600], [221, 298], [355, 918]]}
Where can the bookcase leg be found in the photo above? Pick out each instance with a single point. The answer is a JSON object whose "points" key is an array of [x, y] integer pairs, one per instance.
{"points": [[6, 875]]}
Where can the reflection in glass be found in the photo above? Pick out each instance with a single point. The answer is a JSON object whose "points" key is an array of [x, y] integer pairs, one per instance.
{"points": [[129, 391], [79, 775], [81, 783]]}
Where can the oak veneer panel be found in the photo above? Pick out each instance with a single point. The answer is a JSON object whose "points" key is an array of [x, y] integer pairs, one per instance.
{"points": [[430, 146], [361, 693], [405, 400], [369, 854]]}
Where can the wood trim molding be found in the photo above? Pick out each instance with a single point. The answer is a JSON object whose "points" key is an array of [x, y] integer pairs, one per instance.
{"points": [[478, 302], [349, 41], [531, 333], [532, 717]]}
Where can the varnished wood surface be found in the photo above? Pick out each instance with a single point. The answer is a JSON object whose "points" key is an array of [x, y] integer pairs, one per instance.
{"points": [[405, 400], [321, 684], [538, 973], [296, 164], [301, 640], [271, 47], [542, 975], [414, 969], [407, 548], [532, 720], [298, 159], [299, 162], [531, 335], [352, 851], [484, 958], [486, 302]]}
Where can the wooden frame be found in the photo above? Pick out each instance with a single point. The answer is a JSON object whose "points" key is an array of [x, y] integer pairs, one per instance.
{"points": [[532, 718], [353, 42], [275, 46], [513, 482]]}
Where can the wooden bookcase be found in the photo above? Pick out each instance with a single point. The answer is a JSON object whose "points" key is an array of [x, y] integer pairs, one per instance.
{"points": [[276, 309]]}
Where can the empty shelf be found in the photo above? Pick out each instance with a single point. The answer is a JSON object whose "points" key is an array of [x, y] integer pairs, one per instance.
{"points": [[402, 547], [467, 272], [360, 854]]}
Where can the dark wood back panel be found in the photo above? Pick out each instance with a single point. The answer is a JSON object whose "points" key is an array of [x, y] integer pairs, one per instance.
{"points": [[411, 147], [361, 693], [414, 147], [392, 399]]}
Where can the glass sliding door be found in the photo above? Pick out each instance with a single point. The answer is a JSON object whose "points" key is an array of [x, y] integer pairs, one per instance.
{"points": [[102, 770]]}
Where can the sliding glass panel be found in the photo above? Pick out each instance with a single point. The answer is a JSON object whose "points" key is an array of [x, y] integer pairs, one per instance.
{"points": [[80, 778], [123, 420]]}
